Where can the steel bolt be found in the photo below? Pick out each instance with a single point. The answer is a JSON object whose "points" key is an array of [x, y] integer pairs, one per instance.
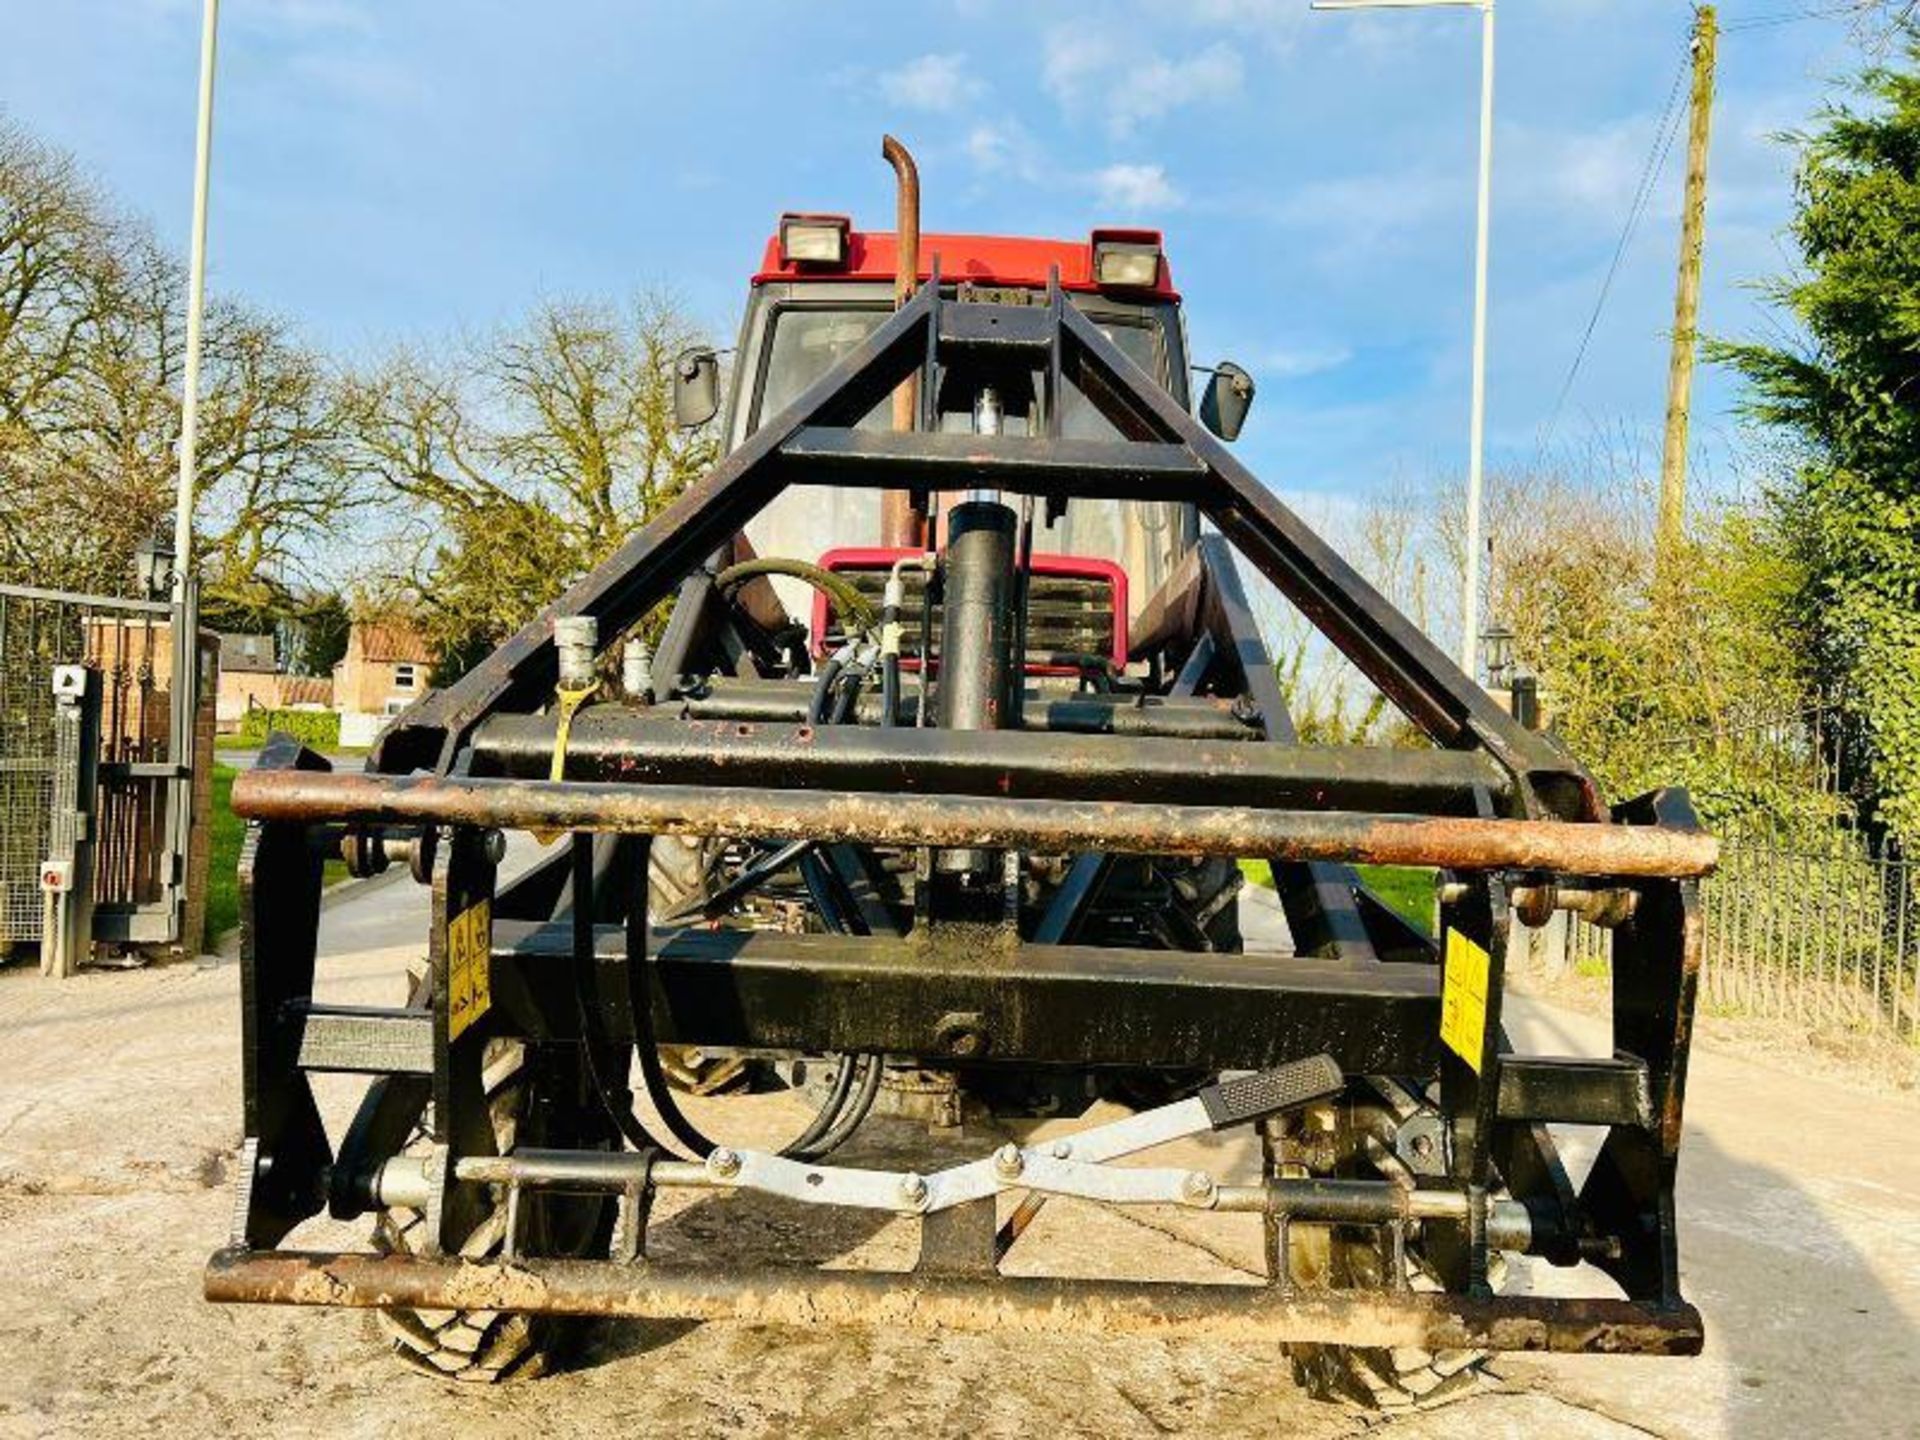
{"points": [[724, 1162], [1062, 1149], [1008, 1162], [1199, 1185], [913, 1188]]}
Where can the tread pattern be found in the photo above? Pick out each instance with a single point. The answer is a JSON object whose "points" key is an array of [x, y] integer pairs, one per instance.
{"points": [[1395, 1380], [479, 1347]]}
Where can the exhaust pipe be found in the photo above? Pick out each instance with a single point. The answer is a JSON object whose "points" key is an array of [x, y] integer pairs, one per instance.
{"points": [[900, 526]]}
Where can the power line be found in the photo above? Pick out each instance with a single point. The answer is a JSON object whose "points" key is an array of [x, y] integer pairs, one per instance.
{"points": [[1794, 17], [1650, 172]]}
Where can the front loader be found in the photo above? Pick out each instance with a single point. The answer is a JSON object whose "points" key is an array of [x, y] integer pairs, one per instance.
{"points": [[933, 791]]}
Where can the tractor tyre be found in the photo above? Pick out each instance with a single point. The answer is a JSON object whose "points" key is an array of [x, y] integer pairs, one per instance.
{"points": [[1390, 1380], [680, 871], [487, 1346]]}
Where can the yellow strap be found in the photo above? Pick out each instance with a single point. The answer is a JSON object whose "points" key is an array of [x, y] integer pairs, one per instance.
{"points": [[569, 702]]}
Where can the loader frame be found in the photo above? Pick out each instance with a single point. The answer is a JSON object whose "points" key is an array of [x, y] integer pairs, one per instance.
{"points": [[1213, 767]]}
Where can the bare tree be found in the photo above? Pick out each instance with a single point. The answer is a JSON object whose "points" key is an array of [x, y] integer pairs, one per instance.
{"points": [[521, 458], [91, 362]]}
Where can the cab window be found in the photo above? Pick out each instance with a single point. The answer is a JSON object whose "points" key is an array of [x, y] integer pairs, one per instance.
{"points": [[805, 344]]}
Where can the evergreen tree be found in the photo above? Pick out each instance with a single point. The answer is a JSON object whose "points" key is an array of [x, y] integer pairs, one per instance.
{"points": [[1848, 394]]}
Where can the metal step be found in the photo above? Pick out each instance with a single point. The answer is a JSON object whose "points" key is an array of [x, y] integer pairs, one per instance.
{"points": [[1575, 1090], [364, 1039]]}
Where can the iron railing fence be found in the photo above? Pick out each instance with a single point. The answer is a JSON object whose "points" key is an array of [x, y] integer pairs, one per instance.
{"points": [[129, 643], [1823, 932]]}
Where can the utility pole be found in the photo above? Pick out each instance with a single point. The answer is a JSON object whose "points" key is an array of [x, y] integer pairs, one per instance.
{"points": [[1671, 526]]}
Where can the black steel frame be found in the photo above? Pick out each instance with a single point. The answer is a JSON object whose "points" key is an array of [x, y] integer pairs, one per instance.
{"points": [[1502, 809]]}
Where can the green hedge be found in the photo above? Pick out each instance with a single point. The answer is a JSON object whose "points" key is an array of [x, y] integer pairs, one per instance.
{"points": [[318, 728]]}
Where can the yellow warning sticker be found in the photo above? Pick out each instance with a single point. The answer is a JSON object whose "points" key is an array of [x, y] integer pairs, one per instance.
{"points": [[1463, 999], [469, 957]]}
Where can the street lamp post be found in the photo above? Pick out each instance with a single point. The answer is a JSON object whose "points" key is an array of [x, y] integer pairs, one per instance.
{"points": [[1476, 442], [185, 685], [196, 305]]}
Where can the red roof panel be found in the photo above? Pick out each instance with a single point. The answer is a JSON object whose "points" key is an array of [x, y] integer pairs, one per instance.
{"points": [[984, 259]]}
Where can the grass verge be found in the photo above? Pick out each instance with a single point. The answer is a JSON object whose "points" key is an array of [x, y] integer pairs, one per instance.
{"points": [[223, 866], [1407, 889], [223, 863], [237, 741]]}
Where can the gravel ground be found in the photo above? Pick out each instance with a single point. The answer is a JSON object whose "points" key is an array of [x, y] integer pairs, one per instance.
{"points": [[119, 1113]]}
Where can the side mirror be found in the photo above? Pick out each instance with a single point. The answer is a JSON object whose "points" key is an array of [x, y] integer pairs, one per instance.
{"points": [[1228, 397], [696, 387]]}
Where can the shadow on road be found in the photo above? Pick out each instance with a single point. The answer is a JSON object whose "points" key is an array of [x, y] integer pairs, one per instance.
{"points": [[1809, 1338]]}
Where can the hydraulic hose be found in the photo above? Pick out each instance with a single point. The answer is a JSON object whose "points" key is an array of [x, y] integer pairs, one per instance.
{"points": [[836, 1119], [850, 1118], [853, 608], [817, 1139], [617, 1104], [823, 687]]}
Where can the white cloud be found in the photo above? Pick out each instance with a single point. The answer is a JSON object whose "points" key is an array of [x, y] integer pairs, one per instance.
{"points": [[1164, 85], [931, 82], [1362, 214], [1593, 170], [1006, 149], [1086, 71], [1287, 362], [1074, 58], [1136, 188], [1003, 147]]}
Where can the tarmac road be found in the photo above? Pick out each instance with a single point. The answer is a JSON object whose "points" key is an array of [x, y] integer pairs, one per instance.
{"points": [[119, 1111]]}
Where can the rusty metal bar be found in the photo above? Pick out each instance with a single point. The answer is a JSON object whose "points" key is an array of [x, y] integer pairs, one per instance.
{"points": [[610, 742], [1189, 718], [951, 1303], [1049, 826]]}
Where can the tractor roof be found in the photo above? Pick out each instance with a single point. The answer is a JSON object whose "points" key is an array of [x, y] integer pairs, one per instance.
{"points": [[983, 259]]}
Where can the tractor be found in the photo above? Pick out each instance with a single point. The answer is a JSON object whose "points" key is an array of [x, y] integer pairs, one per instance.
{"points": [[907, 762]]}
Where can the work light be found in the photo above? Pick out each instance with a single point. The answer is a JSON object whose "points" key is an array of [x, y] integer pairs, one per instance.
{"points": [[1126, 264], [813, 239]]}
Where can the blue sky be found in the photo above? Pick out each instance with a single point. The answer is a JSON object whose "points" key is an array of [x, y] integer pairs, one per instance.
{"points": [[392, 168]]}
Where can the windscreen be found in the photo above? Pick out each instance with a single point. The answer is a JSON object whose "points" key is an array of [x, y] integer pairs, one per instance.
{"points": [[1144, 537], [806, 343]]}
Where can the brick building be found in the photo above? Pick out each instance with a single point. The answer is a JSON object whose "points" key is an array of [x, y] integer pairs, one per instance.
{"points": [[386, 668]]}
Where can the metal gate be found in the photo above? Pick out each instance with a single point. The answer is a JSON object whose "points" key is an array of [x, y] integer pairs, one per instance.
{"points": [[138, 819]]}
